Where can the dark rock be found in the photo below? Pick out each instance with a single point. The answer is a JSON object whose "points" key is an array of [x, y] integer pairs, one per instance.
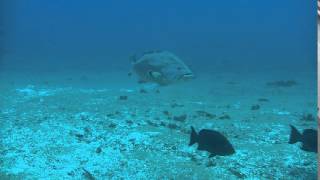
{"points": [[123, 97], [98, 150], [71, 173], [174, 147], [166, 113], [307, 117], [173, 105], [87, 130], [211, 163], [225, 116], [84, 117], [288, 83], [152, 123], [143, 91], [255, 107], [193, 157], [162, 123], [112, 125], [172, 126], [110, 115], [80, 136], [185, 131], [129, 122], [205, 114], [181, 118], [263, 100]]}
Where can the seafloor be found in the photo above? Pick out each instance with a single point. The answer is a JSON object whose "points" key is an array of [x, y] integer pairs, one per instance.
{"points": [[76, 126]]}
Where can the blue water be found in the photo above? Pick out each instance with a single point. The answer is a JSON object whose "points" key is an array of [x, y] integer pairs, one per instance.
{"points": [[68, 109], [56, 34]]}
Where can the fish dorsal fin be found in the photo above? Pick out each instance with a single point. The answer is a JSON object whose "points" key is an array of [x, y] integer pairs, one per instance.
{"points": [[193, 137], [295, 135]]}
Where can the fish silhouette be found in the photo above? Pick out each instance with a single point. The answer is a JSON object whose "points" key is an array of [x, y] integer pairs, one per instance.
{"points": [[308, 138], [160, 67], [211, 141]]}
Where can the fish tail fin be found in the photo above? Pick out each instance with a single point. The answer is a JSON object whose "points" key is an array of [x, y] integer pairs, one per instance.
{"points": [[193, 136], [295, 135]]}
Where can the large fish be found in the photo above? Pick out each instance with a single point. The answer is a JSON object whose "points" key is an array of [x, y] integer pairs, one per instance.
{"points": [[161, 67]]}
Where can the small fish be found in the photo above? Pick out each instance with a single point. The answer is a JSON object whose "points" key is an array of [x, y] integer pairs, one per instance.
{"points": [[308, 138], [211, 141]]}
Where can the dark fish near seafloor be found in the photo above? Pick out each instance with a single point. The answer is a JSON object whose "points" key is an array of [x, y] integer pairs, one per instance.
{"points": [[160, 67], [211, 141], [308, 138]]}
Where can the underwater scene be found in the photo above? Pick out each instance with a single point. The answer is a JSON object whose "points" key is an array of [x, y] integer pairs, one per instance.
{"points": [[158, 89]]}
